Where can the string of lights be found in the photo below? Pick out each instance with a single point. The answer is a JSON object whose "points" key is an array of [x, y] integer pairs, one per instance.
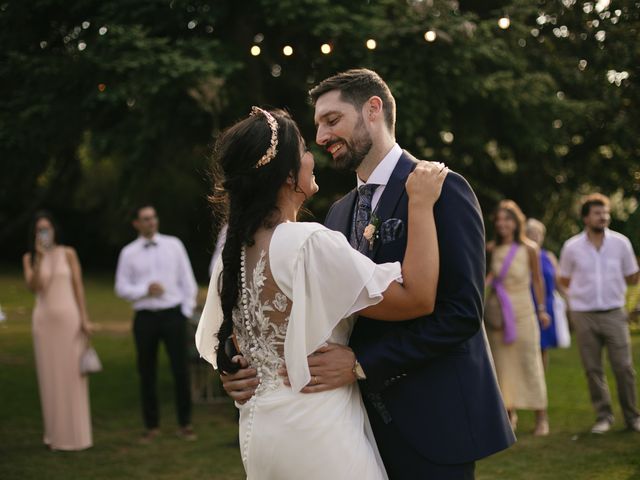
{"points": [[430, 36]]}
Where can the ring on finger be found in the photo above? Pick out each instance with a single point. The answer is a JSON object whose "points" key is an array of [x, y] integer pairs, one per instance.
{"points": [[315, 380]]}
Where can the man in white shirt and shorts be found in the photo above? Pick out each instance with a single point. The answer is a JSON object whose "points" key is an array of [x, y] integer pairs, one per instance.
{"points": [[596, 266]]}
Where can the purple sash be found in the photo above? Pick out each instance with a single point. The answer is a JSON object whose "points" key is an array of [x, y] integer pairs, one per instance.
{"points": [[509, 319]]}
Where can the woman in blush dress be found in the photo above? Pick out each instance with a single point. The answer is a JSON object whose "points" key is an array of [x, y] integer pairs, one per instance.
{"points": [[284, 288], [60, 330]]}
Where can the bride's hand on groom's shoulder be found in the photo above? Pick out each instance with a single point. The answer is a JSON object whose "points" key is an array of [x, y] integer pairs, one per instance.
{"points": [[331, 366], [241, 385], [425, 182]]}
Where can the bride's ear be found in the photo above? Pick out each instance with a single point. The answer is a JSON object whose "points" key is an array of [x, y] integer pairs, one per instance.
{"points": [[291, 181]]}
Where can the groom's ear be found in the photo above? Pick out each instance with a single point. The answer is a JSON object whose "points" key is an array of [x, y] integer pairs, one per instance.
{"points": [[373, 108]]}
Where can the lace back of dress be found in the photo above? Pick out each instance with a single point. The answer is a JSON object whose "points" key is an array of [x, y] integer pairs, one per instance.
{"points": [[262, 316]]}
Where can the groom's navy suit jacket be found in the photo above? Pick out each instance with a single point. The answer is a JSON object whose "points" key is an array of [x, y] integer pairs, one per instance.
{"points": [[432, 376]]}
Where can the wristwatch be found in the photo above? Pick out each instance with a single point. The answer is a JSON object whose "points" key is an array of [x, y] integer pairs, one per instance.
{"points": [[358, 372]]}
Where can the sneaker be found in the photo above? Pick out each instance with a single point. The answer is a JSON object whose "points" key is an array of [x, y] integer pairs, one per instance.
{"points": [[149, 436], [601, 426], [635, 425], [187, 433]]}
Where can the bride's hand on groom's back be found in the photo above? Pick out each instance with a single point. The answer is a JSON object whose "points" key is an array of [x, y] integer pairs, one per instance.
{"points": [[240, 386], [424, 184]]}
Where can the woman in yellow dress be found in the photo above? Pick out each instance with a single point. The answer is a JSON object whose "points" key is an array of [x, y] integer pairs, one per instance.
{"points": [[510, 316]]}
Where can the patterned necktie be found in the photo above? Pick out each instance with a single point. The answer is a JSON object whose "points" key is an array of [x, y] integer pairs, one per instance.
{"points": [[362, 217]]}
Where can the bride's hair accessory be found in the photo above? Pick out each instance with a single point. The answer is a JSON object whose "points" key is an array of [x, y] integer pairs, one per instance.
{"points": [[273, 145]]}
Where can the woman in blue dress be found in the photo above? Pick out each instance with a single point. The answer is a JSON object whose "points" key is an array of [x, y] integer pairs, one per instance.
{"points": [[548, 336]]}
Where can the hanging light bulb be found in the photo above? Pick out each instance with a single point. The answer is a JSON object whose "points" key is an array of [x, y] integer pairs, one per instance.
{"points": [[287, 50], [325, 48], [255, 50], [430, 36], [371, 44], [504, 23]]}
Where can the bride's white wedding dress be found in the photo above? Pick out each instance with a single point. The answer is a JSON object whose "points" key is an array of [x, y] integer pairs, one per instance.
{"points": [[300, 289]]}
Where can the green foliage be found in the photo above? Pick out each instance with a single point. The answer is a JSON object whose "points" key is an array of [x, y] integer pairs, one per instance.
{"points": [[107, 104]]}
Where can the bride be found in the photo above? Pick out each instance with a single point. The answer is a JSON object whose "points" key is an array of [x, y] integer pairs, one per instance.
{"points": [[282, 289]]}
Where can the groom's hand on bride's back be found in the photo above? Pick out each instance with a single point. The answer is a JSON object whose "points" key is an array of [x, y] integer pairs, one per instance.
{"points": [[331, 366], [240, 386]]}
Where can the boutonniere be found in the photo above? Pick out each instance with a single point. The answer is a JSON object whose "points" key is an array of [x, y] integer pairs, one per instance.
{"points": [[371, 231]]}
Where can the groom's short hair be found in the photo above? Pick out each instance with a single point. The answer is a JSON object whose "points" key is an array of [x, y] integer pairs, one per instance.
{"points": [[356, 86]]}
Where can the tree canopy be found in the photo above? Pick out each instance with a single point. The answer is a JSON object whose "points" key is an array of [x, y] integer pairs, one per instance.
{"points": [[109, 104]]}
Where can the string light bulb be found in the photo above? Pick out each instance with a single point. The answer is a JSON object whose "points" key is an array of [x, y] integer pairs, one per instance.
{"points": [[371, 44], [430, 36], [504, 23], [325, 48], [287, 50], [255, 50]]}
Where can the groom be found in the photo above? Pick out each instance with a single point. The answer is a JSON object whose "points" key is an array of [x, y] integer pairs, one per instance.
{"points": [[428, 384]]}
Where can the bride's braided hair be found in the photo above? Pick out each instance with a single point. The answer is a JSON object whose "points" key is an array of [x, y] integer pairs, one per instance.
{"points": [[248, 196]]}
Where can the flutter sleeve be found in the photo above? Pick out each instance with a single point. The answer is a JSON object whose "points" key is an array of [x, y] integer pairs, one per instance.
{"points": [[211, 319], [330, 281]]}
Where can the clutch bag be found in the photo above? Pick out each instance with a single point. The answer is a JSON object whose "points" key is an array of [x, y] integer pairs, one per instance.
{"points": [[89, 361]]}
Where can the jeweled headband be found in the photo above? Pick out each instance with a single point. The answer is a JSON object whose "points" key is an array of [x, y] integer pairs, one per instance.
{"points": [[273, 146]]}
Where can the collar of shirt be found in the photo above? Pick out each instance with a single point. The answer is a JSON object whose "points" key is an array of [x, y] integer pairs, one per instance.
{"points": [[143, 241], [382, 173], [585, 238]]}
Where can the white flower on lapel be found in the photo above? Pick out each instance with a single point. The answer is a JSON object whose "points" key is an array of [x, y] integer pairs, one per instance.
{"points": [[369, 232]]}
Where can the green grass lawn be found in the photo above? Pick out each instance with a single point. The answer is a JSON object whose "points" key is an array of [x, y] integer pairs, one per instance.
{"points": [[570, 452]]}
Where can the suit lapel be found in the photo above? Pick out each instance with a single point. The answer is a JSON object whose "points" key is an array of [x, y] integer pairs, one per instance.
{"points": [[394, 191], [342, 214]]}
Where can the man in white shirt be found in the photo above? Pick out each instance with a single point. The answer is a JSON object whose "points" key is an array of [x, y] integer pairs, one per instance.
{"points": [[596, 266], [155, 275]]}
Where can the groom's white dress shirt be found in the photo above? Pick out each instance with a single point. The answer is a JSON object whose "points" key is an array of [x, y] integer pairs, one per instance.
{"points": [[382, 173], [161, 259]]}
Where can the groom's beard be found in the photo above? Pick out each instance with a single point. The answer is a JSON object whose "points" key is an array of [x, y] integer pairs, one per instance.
{"points": [[356, 150]]}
